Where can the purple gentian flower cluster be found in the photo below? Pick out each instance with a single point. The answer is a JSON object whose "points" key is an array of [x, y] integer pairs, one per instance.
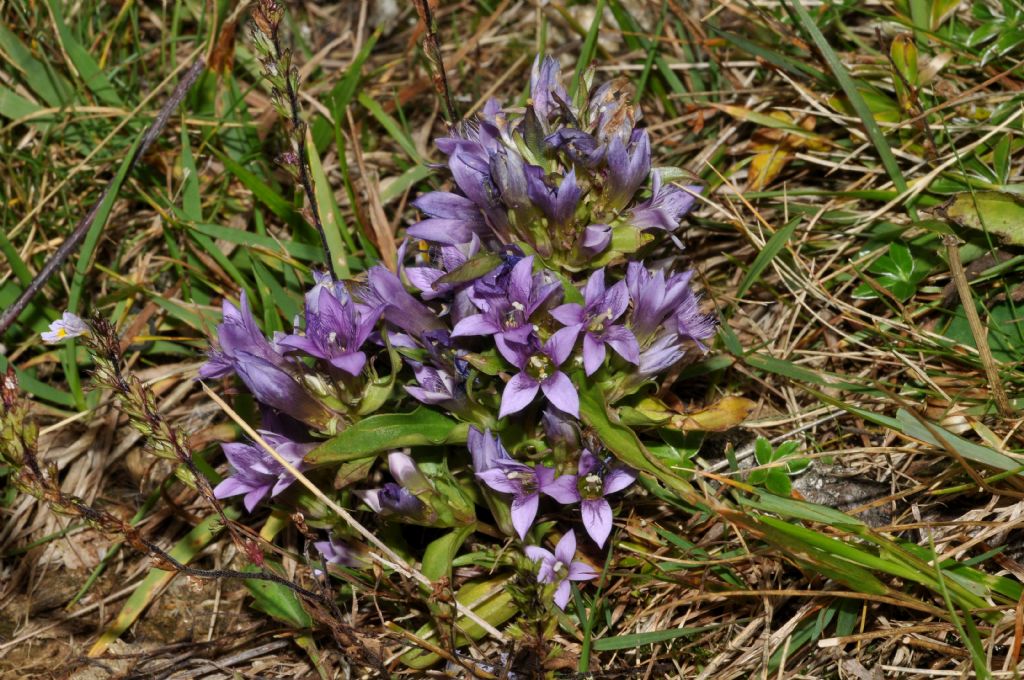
{"points": [[257, 474], [522, 287]]}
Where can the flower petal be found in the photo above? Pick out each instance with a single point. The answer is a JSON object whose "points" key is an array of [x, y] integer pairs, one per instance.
{"points": [[561, 392], [524, 511], [565, 550], [476, 324], [617, 480], [597, 519], [622, 340], [562, 593], [519, 392], [581, 571], [563, 489], [569, 314], [498, 480], [593, 353]]}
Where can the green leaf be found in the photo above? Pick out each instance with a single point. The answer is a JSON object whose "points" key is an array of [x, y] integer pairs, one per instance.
{"points": [[376, 434], [437, 559], [471, 269], [771, 248], [88, 70], [990, 211], [937, 436], [277, 600]]}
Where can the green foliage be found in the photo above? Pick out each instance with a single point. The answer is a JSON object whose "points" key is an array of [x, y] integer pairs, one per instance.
{"points": [[777, 465]]}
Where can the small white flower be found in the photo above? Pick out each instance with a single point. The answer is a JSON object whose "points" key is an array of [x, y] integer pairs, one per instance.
{"points": [[68, 326]]}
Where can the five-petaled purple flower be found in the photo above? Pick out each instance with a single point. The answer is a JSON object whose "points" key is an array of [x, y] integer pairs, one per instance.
{"points": [[560, 567], [335, 330], [68, 326], [595, 481], [538, 366], [507, 318], [596, 319], [526, 483], [257, 473]]}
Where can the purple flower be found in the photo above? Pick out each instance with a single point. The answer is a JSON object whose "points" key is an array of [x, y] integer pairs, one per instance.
{"points": [[560, 430], [508, 317], [557, 203], [485, 449], [392, 500], [539, 370], [691, 324], [655, 297], [628, 167], [451, 219], [546, 89], [68, 326], [581, 148], [238, 333], [275, 387], [335, 330], [594, 482], [336, 551], [256, 472], [560, 568], [526, 483], [595, 239], [437, 386], [384, 290], [660, 355], [665, 208], [405, 471], [596, 319]]}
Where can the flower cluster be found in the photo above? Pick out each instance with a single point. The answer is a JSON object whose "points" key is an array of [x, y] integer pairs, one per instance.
{"points": [[546, 272]]}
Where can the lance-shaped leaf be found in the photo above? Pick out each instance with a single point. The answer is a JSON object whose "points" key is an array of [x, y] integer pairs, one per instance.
{"points": [[385, 432]]}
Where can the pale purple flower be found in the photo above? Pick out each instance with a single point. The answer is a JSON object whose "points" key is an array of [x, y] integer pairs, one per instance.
{"points": [[595, 481], [277, 388], [238, 334], [546, 91], [557, 203], [436, 387], [660, 355], [451, 219], [68, 326], [693, 325], [560, 430], [666, 206], [256, 473], [392, 500], [656, 296], [485, 449], [596, 319], [384, 290], [526, 483], [336, 551], [560, 567], [508, 317], [539, 371], [628, 167], [581, 148], [335, 330], [405, 471], [595, 239]]}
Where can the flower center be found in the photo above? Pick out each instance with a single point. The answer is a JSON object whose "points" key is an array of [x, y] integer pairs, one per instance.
{"points": [[590, 487], [332, 340], [597, 323], [560, 570], [539, 367], [527, 481]]}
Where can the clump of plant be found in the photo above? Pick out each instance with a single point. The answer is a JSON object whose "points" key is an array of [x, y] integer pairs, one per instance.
{"points": [[538, 298]]}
